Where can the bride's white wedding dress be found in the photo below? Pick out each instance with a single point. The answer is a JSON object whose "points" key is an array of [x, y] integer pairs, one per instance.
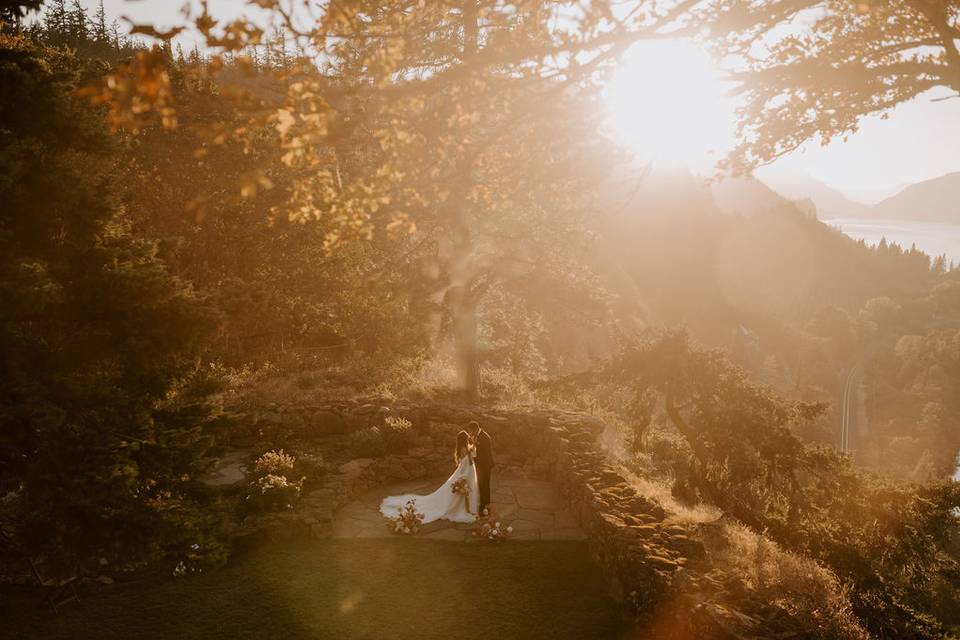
{"points": [[442, 503]]}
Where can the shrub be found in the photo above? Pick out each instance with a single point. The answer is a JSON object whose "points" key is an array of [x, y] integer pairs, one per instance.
{"points": [[891, 544], [311, 466], [274, 463], [273, 492], [397, 434], [368, 443]]}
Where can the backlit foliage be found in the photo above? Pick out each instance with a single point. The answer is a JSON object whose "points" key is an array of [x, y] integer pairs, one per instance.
{"points": [[890, 543], [465, 127], [427, 91], [812, 69]]}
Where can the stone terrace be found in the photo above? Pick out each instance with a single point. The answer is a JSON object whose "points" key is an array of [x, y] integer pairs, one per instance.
{"points": [[534, 508]]}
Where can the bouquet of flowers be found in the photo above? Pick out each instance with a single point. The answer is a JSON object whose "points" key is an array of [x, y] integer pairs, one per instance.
{"points": [[408, 519], [461, 488], [491, 527]]}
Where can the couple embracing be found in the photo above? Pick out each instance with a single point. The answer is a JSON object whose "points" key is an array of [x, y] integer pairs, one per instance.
{"points": [[466, 493]]}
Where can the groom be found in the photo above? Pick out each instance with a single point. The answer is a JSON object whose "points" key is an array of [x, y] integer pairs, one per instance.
{"points": [[481, 440]]}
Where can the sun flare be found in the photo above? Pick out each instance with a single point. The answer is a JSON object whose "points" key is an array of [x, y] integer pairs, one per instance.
{"points": [[668, 103]]}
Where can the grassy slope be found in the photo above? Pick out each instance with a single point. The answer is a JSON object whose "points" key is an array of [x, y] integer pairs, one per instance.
{"points": [[397, 588]]}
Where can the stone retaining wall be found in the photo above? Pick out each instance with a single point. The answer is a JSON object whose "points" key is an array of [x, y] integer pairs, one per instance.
{"points": [[640, 552]]}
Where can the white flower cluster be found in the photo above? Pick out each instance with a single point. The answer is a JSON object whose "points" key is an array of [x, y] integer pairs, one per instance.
{"points": [[398, 423], [497, 531], [271, 482], [274, 462], [492, 529]]}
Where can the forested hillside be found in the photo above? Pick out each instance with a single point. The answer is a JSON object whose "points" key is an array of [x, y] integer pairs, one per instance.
{"points": [[191, 235]]}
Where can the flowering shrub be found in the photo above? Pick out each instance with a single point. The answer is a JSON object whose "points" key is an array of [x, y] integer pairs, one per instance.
{"points": [[368, 443], [491, 527], [274, 492], [408, 520], [275, 463], [397, 433]]}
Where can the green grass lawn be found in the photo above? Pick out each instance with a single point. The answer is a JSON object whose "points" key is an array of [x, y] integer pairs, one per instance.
{"points": [[391, 589]]}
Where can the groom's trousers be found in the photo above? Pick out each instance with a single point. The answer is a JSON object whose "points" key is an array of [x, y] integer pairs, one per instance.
{"points": [[483, 484]]}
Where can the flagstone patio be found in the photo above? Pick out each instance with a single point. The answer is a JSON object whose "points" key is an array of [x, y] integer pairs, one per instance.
{"points": [[532, 507]]}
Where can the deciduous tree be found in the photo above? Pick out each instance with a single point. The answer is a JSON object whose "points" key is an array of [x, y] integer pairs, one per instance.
{"points": [[813, 69], [474, 139]]}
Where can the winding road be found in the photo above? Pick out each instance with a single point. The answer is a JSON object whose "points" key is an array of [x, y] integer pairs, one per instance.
{"points": [[849, 405]]}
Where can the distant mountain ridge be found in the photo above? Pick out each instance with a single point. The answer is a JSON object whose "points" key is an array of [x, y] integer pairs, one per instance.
{"points": [[747, 196], [830, 202], [935, 200], [871, 197]]}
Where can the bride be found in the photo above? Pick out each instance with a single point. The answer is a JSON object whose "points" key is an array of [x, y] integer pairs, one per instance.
{"points": [[444, 503]]}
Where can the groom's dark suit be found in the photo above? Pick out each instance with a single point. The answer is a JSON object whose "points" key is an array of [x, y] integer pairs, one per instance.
{"points": [[484, 467]]}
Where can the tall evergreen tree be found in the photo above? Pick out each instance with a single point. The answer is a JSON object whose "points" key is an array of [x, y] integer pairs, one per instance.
{"points": [[101, 33], [56, 22], [78, 24], [101, 437]]}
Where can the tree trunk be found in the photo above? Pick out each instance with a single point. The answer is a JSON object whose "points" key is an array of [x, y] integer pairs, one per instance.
{"points": [[466, 341], [463, 304]]}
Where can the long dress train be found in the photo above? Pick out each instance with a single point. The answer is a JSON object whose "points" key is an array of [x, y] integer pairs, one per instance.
{"points": [[442, 503]]}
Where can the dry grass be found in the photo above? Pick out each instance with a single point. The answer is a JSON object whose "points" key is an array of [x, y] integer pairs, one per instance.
{"points": [[680, 512], [812, 595]]}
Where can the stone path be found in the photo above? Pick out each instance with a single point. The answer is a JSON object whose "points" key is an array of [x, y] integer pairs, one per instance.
{"points": [[229, 470], [532, 507]]}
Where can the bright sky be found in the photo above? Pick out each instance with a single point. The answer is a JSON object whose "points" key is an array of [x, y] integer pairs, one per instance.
{"points": [[679, 112], [161, 12], [919, 141]]}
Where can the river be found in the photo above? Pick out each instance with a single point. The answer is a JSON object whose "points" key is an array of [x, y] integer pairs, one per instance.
{"points": [[933, 238]]}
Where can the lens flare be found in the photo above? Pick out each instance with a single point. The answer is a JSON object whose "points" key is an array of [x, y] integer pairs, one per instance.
{"points": [[668, 103]]}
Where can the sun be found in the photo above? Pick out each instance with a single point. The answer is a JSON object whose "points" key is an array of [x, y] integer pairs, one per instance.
{"points": [[668, 103]]}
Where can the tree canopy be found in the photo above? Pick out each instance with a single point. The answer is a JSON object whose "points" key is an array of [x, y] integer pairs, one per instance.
{"points": [[813, 69]]}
